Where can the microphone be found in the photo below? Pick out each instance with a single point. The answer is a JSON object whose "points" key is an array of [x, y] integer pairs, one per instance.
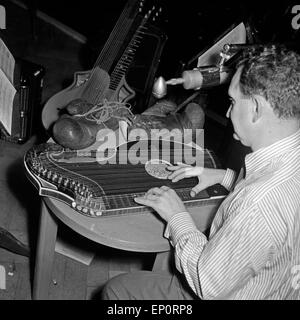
{"points": [[159, 89], [202, 77]]}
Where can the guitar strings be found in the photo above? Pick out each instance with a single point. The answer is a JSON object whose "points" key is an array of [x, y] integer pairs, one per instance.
{"points": [[118, 29], [142, 156], [138, 9], [122, 197], [116, 73], [115, 31], [94, 95], [133, 43], [107, 178], [95, 89], [91, 90], [117, 198]]}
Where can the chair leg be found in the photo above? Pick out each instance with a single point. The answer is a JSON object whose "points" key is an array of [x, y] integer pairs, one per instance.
{"points": [[45, 254]]}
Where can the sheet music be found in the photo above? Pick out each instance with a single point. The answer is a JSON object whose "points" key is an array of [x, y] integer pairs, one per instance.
{"points": [[7, 94], [7, 62]]}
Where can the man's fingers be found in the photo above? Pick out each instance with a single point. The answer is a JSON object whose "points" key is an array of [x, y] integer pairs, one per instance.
{"points": [[142, 200], [185, 173], [199, 187], [155, 190], [193, 193], [176, 177], [182, 164], [197, 171], [152, 197], [181, 171], [178, 174], [148, 200], [178, 165]]}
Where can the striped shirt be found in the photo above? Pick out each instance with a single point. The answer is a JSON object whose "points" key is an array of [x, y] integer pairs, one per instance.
{"points": [[253, 249]]}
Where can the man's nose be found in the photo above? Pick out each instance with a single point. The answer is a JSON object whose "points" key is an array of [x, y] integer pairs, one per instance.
{"points": [[228, 112]]}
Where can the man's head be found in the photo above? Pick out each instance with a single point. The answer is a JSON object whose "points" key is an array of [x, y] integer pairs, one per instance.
{"points": [[265, 94]]}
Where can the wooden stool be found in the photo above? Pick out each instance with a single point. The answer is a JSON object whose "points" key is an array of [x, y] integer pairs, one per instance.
{"points": [[136, 232]]}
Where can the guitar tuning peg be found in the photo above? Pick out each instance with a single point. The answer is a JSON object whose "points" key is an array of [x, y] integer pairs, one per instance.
{"points": [[141, 6]]}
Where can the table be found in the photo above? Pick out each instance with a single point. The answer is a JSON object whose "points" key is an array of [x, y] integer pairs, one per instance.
{"points": [[136, 232]]}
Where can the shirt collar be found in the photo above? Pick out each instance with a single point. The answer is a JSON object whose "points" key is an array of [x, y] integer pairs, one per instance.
{"points": [[260, 158]]}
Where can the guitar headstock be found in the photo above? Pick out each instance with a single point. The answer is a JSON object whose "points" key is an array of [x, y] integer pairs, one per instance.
{"points": [[151, 11]]}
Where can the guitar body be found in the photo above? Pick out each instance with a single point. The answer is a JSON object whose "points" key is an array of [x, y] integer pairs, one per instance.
{"points": [[55, 105]]}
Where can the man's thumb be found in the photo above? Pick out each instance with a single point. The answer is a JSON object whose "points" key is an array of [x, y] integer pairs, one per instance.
{"points": [[199, 187]]}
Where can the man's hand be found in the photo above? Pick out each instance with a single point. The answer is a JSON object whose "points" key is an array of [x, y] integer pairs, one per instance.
{"points": [[207, 177], [163, 200]]}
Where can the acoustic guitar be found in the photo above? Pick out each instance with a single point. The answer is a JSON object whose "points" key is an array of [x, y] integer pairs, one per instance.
{"points": [[107, 79]]}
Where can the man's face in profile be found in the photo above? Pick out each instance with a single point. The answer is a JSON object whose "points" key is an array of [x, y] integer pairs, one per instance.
{"points": [[240, 111]]}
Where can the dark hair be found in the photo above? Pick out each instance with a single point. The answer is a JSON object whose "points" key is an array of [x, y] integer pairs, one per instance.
{"points": [[274, 73]]}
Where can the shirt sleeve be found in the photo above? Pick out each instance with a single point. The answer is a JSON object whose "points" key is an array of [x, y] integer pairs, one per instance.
{"points": [[228, 182], [229, 179], [217, 267]]}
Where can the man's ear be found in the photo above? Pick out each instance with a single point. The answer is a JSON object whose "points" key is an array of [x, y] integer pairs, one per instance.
{"points": [[259, 103]]}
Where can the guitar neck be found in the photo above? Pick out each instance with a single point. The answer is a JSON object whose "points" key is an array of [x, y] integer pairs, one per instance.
{"points": [[117, 37], [125, 203], [127, 57]]}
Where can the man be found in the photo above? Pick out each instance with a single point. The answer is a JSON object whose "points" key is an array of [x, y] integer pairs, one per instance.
{"points": [[253, 249]]}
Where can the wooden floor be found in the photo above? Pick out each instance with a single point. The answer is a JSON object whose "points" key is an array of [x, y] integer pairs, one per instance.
{"points": [[60, 54]]}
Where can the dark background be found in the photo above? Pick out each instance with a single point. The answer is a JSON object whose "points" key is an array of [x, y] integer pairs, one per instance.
{"points": [[190, 25]]}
